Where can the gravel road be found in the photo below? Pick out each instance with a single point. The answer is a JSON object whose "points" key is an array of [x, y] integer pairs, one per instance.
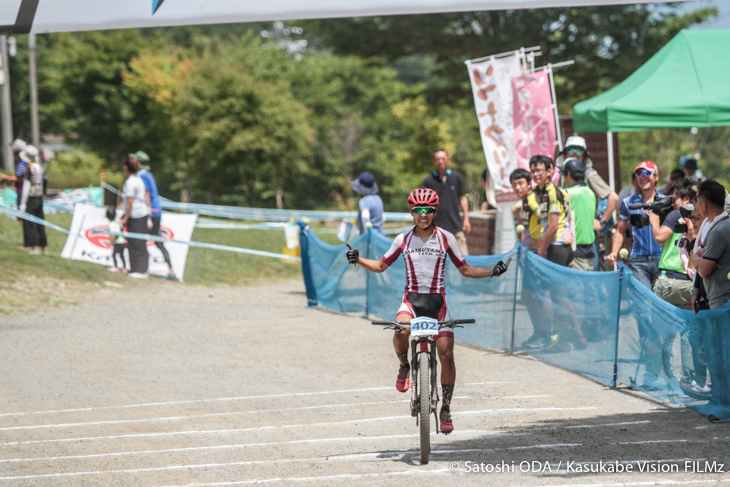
{"points": [[166, 385]]}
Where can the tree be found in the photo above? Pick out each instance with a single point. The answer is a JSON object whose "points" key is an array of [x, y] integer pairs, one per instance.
{"points": [[91, 103], [246, 128], [608, 43]]}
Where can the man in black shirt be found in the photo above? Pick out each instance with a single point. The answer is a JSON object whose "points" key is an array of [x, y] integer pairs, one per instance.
{"points": [[450, 187]]}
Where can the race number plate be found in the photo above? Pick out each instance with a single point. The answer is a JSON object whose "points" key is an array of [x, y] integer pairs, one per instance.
{"points": [[424, 327]]}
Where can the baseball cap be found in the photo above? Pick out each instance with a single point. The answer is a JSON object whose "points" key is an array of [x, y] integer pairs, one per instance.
{"points": [[576, 141], [142, 157], [648, 165]]}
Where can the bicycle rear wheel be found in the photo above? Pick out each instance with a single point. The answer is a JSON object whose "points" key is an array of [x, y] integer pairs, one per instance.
{"points": [[424, 404]]}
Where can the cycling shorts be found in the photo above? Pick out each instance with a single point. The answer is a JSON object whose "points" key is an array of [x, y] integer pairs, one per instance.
{"points": [[432, 305], [560, 254]]}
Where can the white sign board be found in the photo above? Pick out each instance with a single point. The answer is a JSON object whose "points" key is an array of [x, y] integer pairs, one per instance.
{"points": [[89, 241], [491, 83]]}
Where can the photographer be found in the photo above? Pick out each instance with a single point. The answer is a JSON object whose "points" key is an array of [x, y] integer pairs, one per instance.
{"points": [[677, 289], [645, 251]]}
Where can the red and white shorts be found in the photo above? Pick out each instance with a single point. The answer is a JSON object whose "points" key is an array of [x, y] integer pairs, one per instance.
{"points": [[430, 305]]}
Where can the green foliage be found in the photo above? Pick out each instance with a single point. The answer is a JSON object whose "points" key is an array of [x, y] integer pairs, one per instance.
{"points": [[85, 73], [77, 169], [665, 146], [608, 43], [230, 118]]}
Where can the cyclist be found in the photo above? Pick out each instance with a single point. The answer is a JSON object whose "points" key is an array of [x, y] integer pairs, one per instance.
{"points": [[424, 250]]}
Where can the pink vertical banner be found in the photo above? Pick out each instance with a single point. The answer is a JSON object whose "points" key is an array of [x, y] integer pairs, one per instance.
{"points": [[533, 116]]}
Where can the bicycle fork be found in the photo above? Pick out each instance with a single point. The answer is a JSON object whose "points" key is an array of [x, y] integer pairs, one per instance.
{"points": [[420, 350]]}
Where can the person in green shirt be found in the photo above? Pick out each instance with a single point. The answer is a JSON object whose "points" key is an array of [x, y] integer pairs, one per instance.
{"points": [[677, 289], [583, 203]]}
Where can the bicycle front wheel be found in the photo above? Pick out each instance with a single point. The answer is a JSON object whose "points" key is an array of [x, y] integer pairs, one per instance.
{"points": [[424, 403]]}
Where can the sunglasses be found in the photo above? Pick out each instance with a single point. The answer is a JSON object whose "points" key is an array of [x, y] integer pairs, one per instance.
{"points": [[576, 152], [425, 210], [644, 173]]}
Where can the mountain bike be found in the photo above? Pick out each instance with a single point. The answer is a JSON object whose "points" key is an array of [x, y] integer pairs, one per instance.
{"points": [[424, 394]]}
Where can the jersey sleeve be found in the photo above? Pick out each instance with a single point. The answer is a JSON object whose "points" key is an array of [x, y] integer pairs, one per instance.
{"points": [[671, 220], [716, 245], [452, 248], [462, 187], [623, 213], [395, 250], [553, 204]]}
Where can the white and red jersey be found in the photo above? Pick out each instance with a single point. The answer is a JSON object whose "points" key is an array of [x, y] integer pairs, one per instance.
{"points": [[425, 261]]}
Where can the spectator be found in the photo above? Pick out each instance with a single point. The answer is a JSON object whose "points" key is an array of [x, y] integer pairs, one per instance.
{"points": [[450, 187], [135, 218], [713, 270], [553, 204], [575, 147], [536, 299], [370, 205], [17, 146], [645, 252], [118, 242], [521, 185], [34, 234], [489, 199], [678, 288], [691, 169], [716, 257], [152, 199], [643, 261], [675, 175], [583, 203]]}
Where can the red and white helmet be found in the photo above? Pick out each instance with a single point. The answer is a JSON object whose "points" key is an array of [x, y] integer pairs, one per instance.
{"points": [[423, 197]]}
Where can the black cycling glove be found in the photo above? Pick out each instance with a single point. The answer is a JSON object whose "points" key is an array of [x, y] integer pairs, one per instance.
{"points": [[353, 255], [499, 269]]}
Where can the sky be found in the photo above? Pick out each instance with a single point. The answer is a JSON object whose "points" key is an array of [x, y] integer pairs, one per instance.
{"points": [[722, 21]]}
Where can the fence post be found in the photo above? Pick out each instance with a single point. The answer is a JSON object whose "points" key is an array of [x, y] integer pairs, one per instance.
{"points": [[367, 275], [514, 300], [306, 267], [618, 320]]}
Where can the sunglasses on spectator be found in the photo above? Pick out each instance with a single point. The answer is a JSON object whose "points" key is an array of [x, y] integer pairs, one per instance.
{"points": [[576, 152], [424, 210], [644, 173]]}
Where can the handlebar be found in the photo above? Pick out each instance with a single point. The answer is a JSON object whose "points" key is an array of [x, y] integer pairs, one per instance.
{"points": [[401, 323]]}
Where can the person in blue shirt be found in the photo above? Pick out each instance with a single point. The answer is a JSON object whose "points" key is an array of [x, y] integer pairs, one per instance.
{"points": [[370, 205], [644, 258], [153, 202], [645, 250]]}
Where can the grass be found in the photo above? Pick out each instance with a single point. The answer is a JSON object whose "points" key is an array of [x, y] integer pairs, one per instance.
{"points": [[29, 279]]}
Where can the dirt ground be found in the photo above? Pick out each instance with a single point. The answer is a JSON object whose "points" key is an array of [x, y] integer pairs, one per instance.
{"points": [[168, 385]]}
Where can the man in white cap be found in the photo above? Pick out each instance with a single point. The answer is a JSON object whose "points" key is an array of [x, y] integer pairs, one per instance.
{"points": [[31, 201], [370, 205], [575, 147]]}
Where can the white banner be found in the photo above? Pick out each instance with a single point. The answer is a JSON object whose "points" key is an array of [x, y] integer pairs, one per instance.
{"points": [[89, 241], [491, 83], [23, 16]]}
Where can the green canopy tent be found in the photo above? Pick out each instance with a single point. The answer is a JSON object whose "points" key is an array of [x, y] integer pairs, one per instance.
{"points": [[683, 85]]}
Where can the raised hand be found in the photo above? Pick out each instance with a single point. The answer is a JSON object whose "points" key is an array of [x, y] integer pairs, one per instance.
{"points": [[500, 268], [353, 255]]}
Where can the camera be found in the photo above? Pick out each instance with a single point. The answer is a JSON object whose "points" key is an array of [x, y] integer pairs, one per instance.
{"points": [[686, 211], [662, 207]]}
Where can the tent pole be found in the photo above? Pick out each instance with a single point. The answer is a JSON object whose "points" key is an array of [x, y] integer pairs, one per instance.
{"points": [[611, 174]]}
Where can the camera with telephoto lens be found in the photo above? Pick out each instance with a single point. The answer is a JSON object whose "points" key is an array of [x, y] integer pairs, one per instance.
{"points": [[662, 207]]}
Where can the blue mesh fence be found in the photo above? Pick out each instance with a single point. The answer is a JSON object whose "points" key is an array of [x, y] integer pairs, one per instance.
{"points": [[632, 337]]}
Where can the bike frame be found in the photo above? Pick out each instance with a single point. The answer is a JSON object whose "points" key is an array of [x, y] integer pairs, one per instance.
{"points": [[423, 348]]}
